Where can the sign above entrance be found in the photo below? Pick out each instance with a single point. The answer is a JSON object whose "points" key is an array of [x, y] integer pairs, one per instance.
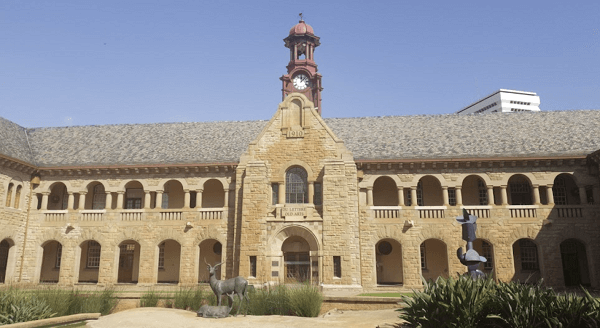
{"points": [[294, 211]]}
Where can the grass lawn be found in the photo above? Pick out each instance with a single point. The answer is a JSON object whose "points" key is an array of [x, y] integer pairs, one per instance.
{"points": [[385, 294]]}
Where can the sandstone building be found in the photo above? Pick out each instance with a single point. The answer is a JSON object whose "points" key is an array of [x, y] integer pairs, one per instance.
{"points": [[345, 203]]}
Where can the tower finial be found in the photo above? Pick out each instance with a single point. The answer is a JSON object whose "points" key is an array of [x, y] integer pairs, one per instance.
{"points": [[301, 18]]}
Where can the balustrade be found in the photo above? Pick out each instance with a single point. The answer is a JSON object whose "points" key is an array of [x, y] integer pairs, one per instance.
{"points": [[431, 212], [523, 211], [386, 212], [92, 215], [569, 211], [171, 215], [211, 213], [481, 211], [55, 216]]}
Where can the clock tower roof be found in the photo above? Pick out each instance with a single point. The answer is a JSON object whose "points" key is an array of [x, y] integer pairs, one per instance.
{"points": [[301, 28]]}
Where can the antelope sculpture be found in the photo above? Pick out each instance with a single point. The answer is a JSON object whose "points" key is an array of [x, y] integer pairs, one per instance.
{"points": [[237, 285]]}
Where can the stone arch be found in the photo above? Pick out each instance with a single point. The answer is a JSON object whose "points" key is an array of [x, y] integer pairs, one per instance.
{"points": [[431, 193], [440, 178], [169, 234], [127, 260], [208, 251], [173, 194], [567, 192], [91, 234], [368, 182], [168, 261], [527, 261], [162, 182], [520, 189], [124, 183], [434, 259], [89, 183], [8, 259], [489, 252], [125, 235], [471, 190], [388, 262], [92, 197], [506, 177], [67, 184], [58, 197], [385, 191], [575, 262], [277, 239], [280, 175], [87, 260], [51, 261], [484, 177], [213, 194]]}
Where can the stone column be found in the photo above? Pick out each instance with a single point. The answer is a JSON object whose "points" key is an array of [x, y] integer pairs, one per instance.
{"points": [[400, 196], [45, 200], [186, 198], [370, 196], [108, 204], [120, 199], [550, 194], [490, 195], [504, 195], [311, 192], [445, 195], [582, 195], [413, 196], [159, 194], [199, 198], [281, 195], [226, 201], [536, 195], [147, 199], [70, 200], [459, 200], [81, 205]]}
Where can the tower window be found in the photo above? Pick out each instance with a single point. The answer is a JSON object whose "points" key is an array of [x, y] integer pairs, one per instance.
{"points": [[337, 266], [296, 186], [252, 266]]}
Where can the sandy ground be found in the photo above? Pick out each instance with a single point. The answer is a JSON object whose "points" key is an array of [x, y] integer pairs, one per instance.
{"points": [[161, 317]]}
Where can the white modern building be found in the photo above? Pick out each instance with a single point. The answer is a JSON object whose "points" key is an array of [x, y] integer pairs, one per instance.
{"points": [[505, 101]]}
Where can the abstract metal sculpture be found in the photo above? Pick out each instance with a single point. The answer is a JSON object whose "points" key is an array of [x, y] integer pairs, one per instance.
{"points": [[471, 259]]}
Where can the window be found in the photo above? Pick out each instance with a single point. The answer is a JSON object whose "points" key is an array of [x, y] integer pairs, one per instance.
{"points": [[18, 197], [9, 195], [408, 199], [58, 256], [165, 200], [296, 186], [529, 259], [483, 197], [161, 256], [520, 193], [275, 193], [559, 190], [252, 266], [452, 196], [423, 257], [589, 192], [487, 253], [133, 198], [420, 194], [337, 266], [99, 198], [93, 254], [318, 197]]}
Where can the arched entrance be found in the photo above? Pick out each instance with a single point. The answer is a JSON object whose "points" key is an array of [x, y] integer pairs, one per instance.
{"points": [[7, 259], [434, 259], [129, 262], [169, 259], [51, 261], [527, 265], [295, 256], [296, 260], [574, 263], [89, 261], [210, 251], [388, 262]]}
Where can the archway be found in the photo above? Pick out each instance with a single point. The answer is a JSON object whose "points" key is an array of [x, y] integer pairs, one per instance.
{"points": [[474, 191], [527, 266], [173, 195], [296, 260], [7, 260], [434, 259], [169, 259], [89, 262], [389, 262], [129, 262], [385, 192], [565, 190], [485, 249], [210, 251], [429, 192], [519, 188], [51, 261], [134, 195], [574, 262], [58, 198], [213, 195]]}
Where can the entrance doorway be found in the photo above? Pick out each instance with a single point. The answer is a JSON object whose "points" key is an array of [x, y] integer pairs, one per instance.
{"points": [[296, 260], [4, 248], [574, 261], [129, 255]]}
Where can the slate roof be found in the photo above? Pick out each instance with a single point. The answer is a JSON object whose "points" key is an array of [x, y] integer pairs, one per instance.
{"points": [[423, 137]]}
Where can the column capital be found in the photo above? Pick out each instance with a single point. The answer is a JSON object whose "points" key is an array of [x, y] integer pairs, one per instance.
{"points": [[200, 190], [46, 193], [83, 192], [120, 192]]}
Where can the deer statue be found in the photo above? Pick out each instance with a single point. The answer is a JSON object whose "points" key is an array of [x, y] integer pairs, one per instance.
{"points": [[237, 285]]}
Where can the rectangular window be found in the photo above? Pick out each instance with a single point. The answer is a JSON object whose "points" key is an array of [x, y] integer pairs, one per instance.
{"points": [[337, 266], [58, 256], [487, 253], [420, 194], [165, 200], [275, 193], [161, 256], [408, 198], [451, 196], [423, 257], [93, 254], [529, 260], [252, 266], [318, 197], [481, 187]]}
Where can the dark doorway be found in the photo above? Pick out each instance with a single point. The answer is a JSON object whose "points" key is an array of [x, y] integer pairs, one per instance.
{"points": [[574, 261]]}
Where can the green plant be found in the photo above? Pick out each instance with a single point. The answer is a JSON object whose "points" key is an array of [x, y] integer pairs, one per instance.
{"points": [[305, 301], [19, 306], [149, 299], [188, 299]]}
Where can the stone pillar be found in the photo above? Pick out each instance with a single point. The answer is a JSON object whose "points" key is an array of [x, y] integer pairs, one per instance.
{"points": [[281, 193], [45, 200], [226, 201], [445, 195], [71, 200], [108, 204], [120, 199], [490, 195], [311, 192], [159, 194], [413, 196], [370, 196], [504, 195], [536, 195], [550, 194], [186, 198], [147, 199], [199, 198], [81, 205], [582, 196], [459, 201], [400, 196]]}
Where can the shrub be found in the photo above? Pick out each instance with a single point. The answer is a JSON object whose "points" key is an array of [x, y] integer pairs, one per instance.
{"points": [[67, 302], [188, 299], [20, 306], [305, 301], [149, 299]]}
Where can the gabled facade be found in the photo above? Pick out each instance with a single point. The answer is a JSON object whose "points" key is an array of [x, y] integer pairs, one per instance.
{"points": [[359, 203]]}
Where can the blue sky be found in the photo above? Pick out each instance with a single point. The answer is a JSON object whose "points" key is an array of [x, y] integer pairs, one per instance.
{"points": [[113, 62]]}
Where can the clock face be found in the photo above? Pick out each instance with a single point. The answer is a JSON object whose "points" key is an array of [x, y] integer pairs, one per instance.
{"points": [[301, 82]]}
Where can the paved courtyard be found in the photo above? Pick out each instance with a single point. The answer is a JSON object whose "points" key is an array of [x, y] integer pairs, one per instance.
{"points": [[162, 317]]}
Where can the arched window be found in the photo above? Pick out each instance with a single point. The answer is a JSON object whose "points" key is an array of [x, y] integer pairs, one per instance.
{"points": [[18, 197], [296, 186], [9, 195], [99, 200], [482, 191]]}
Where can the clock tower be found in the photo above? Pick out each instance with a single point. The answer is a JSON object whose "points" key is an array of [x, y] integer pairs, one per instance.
{"points": [[302, 70]]}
